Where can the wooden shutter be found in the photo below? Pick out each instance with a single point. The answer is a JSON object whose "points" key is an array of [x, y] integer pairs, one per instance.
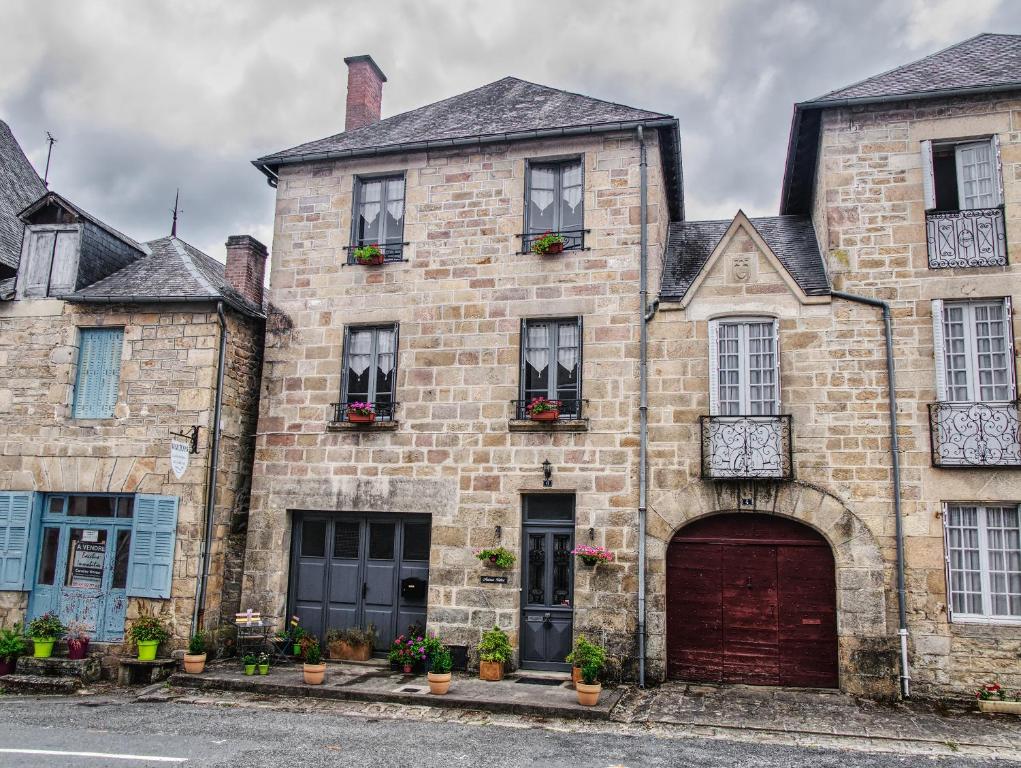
{"points": [[1008, 308], [776, 358], [153, 535], [997, 170], [99, 373], [928, 179], [946, 564], [714, 367], [64, 271], [938, 350], [17, 520], [39, 258]]}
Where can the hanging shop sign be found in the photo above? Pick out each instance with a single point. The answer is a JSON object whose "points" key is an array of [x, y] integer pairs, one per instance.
{"points": [[179, 453]]}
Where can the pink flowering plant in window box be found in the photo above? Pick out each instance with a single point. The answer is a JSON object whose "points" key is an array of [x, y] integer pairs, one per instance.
{"points": [[543, 409], [592, 555], [361, 412]]}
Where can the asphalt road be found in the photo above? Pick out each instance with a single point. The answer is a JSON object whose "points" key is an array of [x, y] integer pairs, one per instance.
{"points": [[53, 731]]}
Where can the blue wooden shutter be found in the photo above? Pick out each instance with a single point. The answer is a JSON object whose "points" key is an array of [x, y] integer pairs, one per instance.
{"points": [[153, 534], [17, 513], [99, 373]]}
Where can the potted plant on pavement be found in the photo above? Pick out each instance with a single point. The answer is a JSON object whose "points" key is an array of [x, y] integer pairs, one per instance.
{"points": [[313, 670], [361, 413], [543, 409], [584, 653], [494, 652], [548, 244], [496, 556], [369, 255], [195, 658], [406, 652], [993, 697], [12, 645], [248, 663], [296, 634], [440, 664], [76, 635], [351, 644], [263, 663], [148, 632], [589, 686], [44, 631]]}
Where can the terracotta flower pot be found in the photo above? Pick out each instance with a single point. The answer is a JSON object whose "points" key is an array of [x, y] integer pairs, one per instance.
{"points": [[407, 668], [7, 665], [439, 684], [554, 249], [1002, 707], [588, 695], [544, 416], [77, 649], [374, 261], [491, 670], [345, 651], [313, 673], [360, 418], [575, 676], [194, 663]]}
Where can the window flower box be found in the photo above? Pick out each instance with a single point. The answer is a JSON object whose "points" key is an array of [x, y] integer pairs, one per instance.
{"points": [[498, 557], [361, 413], [592, 556], [542, 409], [549, 244], [993, 697], [369, 255]]}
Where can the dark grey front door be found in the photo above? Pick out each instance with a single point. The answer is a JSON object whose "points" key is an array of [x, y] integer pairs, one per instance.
{"points": [[356, 570], [547, 600]]}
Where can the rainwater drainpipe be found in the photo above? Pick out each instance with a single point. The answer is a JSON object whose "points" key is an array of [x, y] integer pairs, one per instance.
{"points": [[643, 407], [905, 670], [214, 447]]}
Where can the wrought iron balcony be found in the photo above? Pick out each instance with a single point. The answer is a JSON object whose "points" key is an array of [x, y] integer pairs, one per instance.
{"points": [[391, 252], [974, 434], [384, 410], [966, 238], [570, 410], [574, 239], [746, 447]]}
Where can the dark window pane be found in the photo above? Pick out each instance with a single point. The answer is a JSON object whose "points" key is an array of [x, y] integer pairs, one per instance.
{"points": [[126, 506], [48, 557], [381, 541], [120, 563], [537, 569], [57, 505], [416, 541], [562, 561], [313, 538], [549, 507], [346, 540], [86, 558], [100, 506]]}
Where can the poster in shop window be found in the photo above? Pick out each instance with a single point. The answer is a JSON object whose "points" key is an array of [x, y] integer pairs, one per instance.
{"points": [[87, 560]]}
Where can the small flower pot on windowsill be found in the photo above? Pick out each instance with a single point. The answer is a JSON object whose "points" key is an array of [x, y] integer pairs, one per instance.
{"points": [[544, 416], [361, 418]]}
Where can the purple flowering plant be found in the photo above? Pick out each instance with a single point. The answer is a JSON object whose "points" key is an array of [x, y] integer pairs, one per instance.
{"points": [[407, 650]]}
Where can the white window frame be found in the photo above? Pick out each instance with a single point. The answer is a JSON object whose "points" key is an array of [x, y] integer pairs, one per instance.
{"points": [[961, 147], [984, 571], [939, 308], [744, 364]]}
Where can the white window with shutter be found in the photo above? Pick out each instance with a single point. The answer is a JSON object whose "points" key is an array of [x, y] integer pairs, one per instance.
{"points": [[983, 556], [974, 351], [962, 175], [744, 365]]}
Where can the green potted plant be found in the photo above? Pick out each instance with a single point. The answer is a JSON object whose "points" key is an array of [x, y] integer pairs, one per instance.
{"points": [[313, 671], [297, 632], [369, 255], [543, 409], [548, 244], [195, 658], [494, 652], [12, 645], [351, 644], [993, 697], [406, 652], [361, 413], [249, 662], [263, 663], [76, 635], [496, 556], [589, 687], [44, 631], [440, 664], [584, 653], [148, 632]]}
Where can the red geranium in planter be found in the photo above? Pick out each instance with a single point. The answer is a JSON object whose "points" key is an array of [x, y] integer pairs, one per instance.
{"points": [[543, 409], [361, 413]]}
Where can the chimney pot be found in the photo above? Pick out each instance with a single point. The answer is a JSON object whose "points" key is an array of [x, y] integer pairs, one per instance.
{"points": [[246, 266], [364, 92]]}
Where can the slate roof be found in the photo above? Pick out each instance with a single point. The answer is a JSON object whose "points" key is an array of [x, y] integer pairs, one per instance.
{"points": [[791, 238], [984, 63], [174, 271], [19, 186], [506, 110]]}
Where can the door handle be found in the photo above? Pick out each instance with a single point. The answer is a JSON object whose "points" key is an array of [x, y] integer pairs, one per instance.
{"points": [[365, 589], [547, 619]]}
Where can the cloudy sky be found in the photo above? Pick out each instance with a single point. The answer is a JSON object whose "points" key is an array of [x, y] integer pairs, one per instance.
{"points": [[146, 97]]}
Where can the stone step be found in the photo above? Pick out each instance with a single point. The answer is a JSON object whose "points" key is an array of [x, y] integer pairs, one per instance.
{"points": [[86, 670], [22, 683]]}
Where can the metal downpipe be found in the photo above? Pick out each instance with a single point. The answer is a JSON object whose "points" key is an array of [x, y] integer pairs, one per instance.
{"points": [[905, 670], [214, 460], [643, 408]]}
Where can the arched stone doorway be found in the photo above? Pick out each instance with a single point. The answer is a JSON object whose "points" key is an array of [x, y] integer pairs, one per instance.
{"points": [[751, 598]]}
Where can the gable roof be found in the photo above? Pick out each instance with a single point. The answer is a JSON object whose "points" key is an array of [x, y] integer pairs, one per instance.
{"points": [[53, 198], [986, 63], [19, 186], [174, 271], [791, 239], [506, 110]]}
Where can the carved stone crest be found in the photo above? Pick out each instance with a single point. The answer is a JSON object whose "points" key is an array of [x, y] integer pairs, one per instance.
{"points": [[741, 267]]}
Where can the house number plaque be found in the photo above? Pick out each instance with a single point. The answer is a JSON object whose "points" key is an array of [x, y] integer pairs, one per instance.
{"points": [[493, 579]]}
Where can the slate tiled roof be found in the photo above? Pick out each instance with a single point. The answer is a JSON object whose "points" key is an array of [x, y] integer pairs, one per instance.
{"points": [[19, 186], [174, 271], [791, 238], [983, 61]]}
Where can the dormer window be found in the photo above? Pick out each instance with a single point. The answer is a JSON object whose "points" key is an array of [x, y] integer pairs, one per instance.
{"points": [[49, 261]]}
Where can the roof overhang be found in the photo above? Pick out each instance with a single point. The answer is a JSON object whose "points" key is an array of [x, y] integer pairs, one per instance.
{"points": [[72, 298]]}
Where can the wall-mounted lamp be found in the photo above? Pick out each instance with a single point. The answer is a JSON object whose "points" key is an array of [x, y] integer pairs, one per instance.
{"points": [[499, 532], [547, 474], [591, 534]]}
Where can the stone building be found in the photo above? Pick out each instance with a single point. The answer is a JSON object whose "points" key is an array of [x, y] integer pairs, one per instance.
{"points": [[110, 350], [773, 525]]}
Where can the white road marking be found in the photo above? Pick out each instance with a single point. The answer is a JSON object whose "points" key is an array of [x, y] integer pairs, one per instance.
{"points": [[113, 756]]}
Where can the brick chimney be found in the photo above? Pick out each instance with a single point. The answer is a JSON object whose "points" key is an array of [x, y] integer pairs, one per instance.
{"points": [[364, 92], [246, 266]]}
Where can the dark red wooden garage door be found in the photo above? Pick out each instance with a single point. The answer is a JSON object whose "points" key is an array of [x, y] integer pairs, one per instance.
{"points": [[751, 599]]}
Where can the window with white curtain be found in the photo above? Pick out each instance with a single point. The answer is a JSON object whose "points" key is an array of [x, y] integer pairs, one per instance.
{"points": [[379, 213], [973, 351], [551, 362], [744, 367], [554, 198], [370, 366], [984, 562]]}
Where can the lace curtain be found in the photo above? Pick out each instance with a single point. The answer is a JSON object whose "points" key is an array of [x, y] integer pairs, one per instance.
{"points": [[537, 347], [570, 182]]}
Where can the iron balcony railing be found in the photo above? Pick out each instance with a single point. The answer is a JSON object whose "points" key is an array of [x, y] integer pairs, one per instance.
{"points": [[966, 238], [384, 410], [391, 252], [974, 434], [570, 409], [574, 239], [746, 447]]}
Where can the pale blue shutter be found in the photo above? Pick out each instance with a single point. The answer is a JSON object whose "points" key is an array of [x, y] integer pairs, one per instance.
{"points": [[153, 533], [99, 373], [17, 510]]}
